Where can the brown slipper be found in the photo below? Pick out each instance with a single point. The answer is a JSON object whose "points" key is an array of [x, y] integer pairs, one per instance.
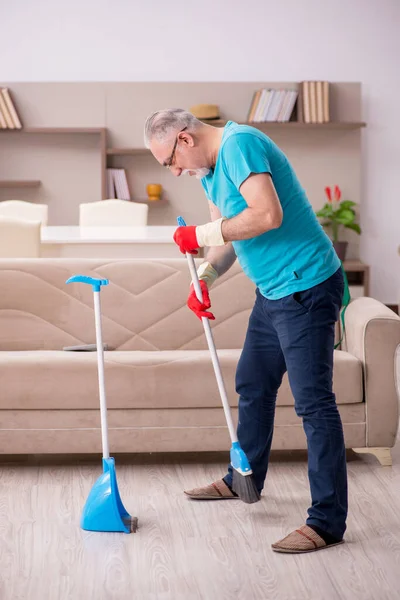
{"points": [[302, 540], [215, 491]]}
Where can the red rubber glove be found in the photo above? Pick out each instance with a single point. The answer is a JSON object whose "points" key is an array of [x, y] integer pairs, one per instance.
{"points": [[185, 238], [199, 308]]}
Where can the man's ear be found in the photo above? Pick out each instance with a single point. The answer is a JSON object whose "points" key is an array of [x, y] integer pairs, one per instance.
{"points": [[186, 138]]}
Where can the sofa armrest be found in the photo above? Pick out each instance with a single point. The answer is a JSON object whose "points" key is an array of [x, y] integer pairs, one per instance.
{"points": [[372, 334]]}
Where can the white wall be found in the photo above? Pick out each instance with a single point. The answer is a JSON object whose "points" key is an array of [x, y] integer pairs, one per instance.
{"points": [[236, 40]]}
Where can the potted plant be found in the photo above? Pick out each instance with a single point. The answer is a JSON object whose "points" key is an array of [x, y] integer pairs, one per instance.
{"points": [[338, 213]]}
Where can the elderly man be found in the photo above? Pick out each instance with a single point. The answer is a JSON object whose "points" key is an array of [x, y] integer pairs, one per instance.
{"points": [[260, 214]]}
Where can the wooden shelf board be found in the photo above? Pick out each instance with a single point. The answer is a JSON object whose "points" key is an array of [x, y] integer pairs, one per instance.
{"points": [[295, 125], [298, 125], [96, 130], [354, 266], [23, 183], [151, 202], [343, 125], [127, 151], [64, 130]]}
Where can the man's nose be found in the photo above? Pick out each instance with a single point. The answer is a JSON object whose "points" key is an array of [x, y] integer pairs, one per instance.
{"points": [[176, 171]]}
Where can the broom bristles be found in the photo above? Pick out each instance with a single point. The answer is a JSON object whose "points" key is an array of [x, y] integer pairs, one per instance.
{"points": [[244, 486]]}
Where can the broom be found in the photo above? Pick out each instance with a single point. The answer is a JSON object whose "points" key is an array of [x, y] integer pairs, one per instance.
{"points": [[243, 483]]}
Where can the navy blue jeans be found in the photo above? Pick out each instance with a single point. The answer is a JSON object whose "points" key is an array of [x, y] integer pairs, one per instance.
{"points": [[296, 334]]}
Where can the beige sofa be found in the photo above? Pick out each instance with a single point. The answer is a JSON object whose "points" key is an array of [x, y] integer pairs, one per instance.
{"points": [[161, 390]]}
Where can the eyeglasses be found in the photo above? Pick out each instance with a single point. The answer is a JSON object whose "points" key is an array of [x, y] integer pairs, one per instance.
{"points": [[169, 161]]}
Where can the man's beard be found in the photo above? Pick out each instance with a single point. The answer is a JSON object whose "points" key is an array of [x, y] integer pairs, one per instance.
{"points": [[199, 173]]}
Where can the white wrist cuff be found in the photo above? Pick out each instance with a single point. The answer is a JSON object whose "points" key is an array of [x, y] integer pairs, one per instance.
{"points": [[207, 273], [210, 234]]}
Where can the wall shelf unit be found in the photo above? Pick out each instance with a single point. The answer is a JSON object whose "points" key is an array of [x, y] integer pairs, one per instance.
{"points": [[358, 275], [74, 131], [100, 131]]}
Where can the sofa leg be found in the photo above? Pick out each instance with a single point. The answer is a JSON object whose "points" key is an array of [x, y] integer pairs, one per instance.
{"points": [[384, 455]]}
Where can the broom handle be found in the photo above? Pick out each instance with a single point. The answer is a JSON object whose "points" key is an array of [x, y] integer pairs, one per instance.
{"points": [[100, 369], [213, 351]]}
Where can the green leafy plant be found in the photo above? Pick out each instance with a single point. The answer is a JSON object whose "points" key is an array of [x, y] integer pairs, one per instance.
{"points": [[336, 213]]}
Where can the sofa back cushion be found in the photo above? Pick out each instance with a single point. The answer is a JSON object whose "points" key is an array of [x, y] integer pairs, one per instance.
{"points": [[143, 307]]}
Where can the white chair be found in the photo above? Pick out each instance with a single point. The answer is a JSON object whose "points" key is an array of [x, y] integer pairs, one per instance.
{"points": [[27, 211], [113, 213], [19, 239]]}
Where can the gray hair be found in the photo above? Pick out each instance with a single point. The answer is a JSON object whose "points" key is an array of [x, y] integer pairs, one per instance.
{"points": [[163, 123]]}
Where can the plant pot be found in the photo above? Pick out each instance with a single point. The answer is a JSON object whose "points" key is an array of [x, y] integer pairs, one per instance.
{"points": [[341, 249]]}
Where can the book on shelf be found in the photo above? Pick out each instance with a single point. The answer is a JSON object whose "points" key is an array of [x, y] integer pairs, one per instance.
{"points": [[315, 101], [117, 185], [110, 185], [9, 118], [269, 105]]}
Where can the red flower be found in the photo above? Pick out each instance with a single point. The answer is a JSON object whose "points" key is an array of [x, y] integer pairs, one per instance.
{"points": [[337, 193], [328, 193]]}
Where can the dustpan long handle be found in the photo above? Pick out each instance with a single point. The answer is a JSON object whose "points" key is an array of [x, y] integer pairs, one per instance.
{"points": [[211, 347], [100, 369]]}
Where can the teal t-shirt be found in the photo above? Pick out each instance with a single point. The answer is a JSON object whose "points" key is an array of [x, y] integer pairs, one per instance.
{"points": [[297, 255]]}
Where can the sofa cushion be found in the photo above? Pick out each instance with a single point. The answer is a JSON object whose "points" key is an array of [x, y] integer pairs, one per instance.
{"points": [[135, 379], [143, 308]]}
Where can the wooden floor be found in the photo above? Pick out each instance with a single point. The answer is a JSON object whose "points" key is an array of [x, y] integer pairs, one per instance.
{"points": [[187, 550], [193, 550]]}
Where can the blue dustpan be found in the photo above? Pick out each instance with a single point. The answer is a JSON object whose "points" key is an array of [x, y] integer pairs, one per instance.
{"points": [[103, 510]]}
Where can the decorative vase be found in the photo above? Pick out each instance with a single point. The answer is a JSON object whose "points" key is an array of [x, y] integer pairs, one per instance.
{"points": [[154, 191], [341, 249]]}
